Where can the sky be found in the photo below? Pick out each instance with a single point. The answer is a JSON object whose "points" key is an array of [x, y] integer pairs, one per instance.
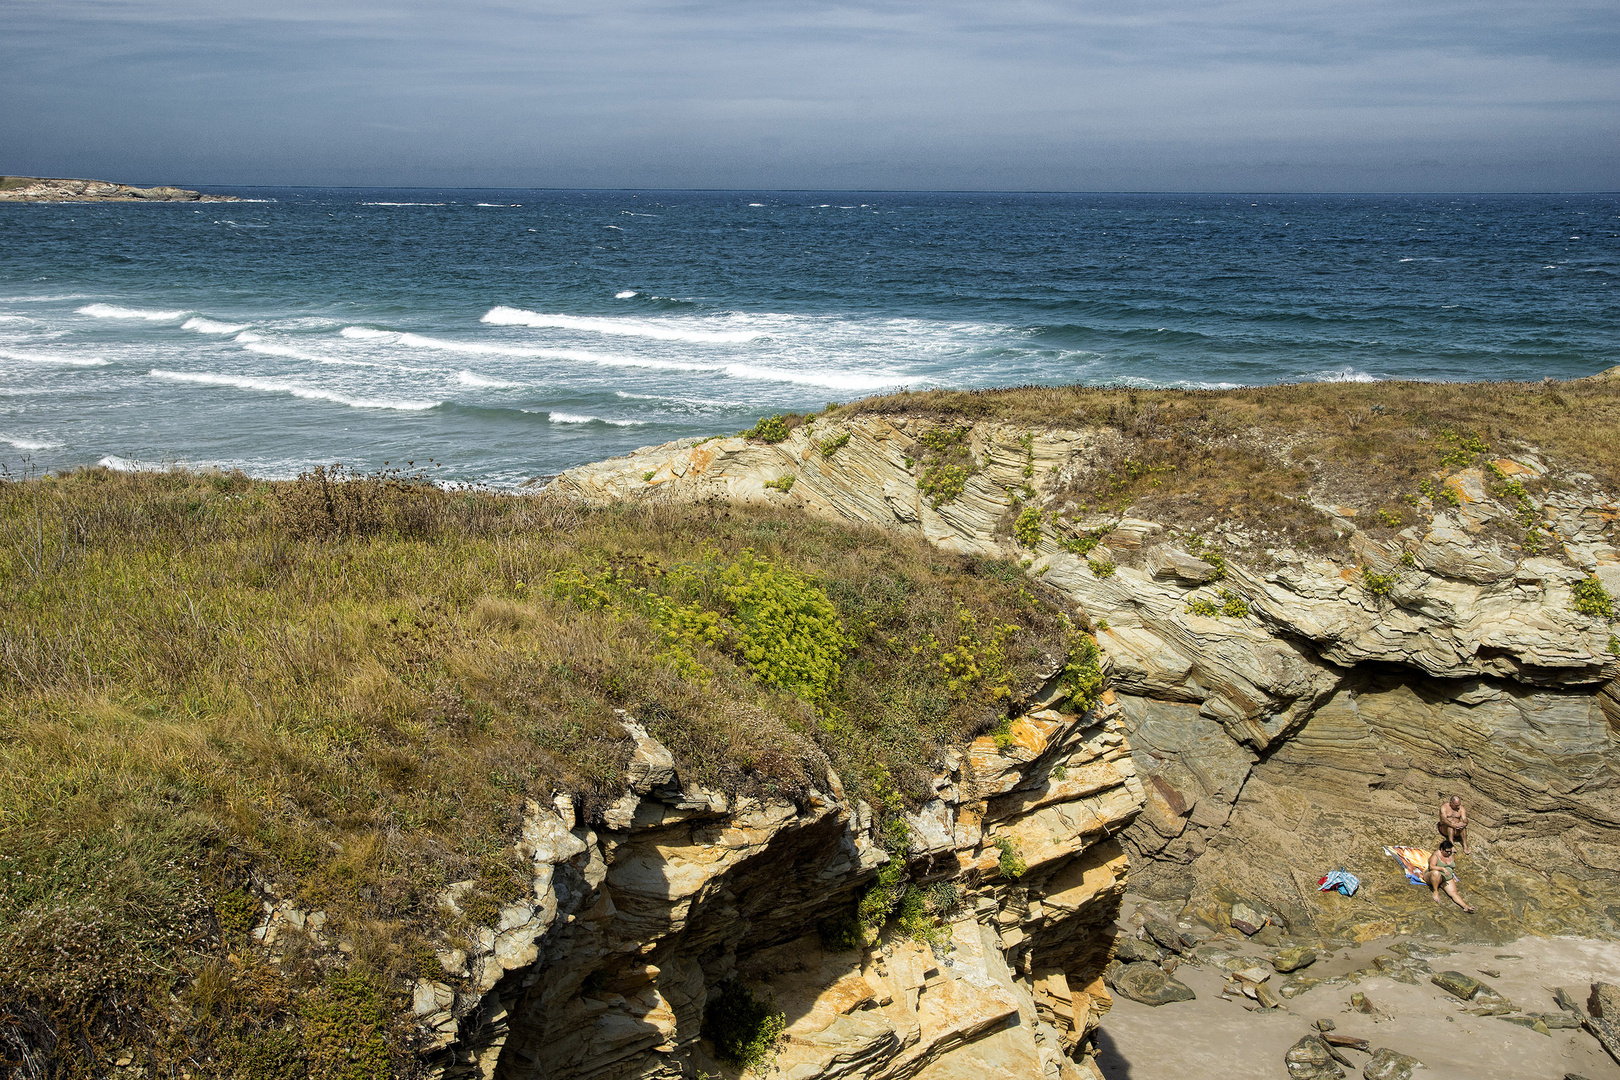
{"points": [[1094, 95]]}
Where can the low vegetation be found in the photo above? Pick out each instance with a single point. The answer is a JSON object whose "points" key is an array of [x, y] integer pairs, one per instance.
{"points": [[1253, 457], [344, 689]]}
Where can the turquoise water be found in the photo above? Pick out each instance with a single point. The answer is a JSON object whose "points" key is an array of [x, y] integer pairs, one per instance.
{"points": [[510, 334]]}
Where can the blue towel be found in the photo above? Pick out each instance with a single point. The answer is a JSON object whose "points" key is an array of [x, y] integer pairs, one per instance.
{"points": [[1342, 880]]}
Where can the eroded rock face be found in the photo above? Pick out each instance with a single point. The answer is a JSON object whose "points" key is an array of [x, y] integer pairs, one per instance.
{"points": [[1326, 721], [634, 924]]}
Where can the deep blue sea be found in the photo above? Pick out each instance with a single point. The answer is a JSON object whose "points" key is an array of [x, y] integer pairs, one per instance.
{"points": [[509, 334]]}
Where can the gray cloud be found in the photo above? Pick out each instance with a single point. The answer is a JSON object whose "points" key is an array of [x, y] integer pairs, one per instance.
{"points": [[1213, 95]]}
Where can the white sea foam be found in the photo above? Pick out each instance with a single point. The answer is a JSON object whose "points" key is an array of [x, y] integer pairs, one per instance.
{"points": [[24, 318], [1345, 374], [508, 316], [557, 417], [113, 311], [625, 294], [275, 386], [502, 205], [28, 444], [366, 333], [470, 378], [209, 326], [122, 464], [835, 380], [402, 204], [756, 204], [48, 358]]}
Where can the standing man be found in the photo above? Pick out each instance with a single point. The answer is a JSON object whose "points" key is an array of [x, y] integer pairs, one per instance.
{"points": [[1454, 822]]}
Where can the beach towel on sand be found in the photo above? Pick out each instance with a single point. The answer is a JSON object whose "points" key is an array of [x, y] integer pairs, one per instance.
{"points": [[1413, 860], [1342, 880]]}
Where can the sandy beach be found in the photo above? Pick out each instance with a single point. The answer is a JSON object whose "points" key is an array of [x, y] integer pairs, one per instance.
{"points": [[1215, 1038]]}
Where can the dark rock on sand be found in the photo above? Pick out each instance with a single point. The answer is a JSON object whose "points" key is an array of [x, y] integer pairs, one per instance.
{"points": [[1294, 958], [1386, 1064], [1457, 984], [1148, 984], [1166, 935], [1603, 1020], [1312, 1059], [1129, 950]]}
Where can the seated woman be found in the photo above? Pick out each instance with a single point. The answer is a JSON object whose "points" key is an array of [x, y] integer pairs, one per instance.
{"points": [[1442, 871]]}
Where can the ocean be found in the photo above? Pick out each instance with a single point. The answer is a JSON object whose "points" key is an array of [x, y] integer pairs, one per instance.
{"points": [[498, 336]]}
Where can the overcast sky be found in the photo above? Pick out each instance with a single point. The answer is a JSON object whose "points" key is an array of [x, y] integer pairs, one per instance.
{"points": [[1186, 95]]}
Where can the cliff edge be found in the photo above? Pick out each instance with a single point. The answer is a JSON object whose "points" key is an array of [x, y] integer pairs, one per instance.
{"points": [[1309, 649]]}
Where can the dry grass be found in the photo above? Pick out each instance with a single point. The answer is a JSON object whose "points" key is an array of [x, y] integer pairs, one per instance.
{"points": [[348, 687], [1257, 457]]}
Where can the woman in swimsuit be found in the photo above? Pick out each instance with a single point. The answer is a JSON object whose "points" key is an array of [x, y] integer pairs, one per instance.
{"points": [[1442, 872]]}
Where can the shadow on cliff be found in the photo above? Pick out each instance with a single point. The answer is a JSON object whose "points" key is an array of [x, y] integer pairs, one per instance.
{"points": [[1110, 1058]]}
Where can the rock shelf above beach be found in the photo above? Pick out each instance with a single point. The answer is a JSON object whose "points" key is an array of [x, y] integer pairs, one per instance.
{"points": [[51, 189]]}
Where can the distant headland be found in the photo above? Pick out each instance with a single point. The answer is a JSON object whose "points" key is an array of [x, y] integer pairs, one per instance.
{"points": [[52, 189]]}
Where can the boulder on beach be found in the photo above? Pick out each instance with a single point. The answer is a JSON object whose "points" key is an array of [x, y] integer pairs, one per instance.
{"points": [[1148, 984]]}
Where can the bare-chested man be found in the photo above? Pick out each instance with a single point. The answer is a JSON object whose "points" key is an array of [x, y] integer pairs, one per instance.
{"points": [[1454, 822], [1442, 874]]}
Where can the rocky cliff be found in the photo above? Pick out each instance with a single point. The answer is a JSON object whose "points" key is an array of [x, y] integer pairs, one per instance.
{"points": [[638, 926], [1291, 708], [48, 189]]}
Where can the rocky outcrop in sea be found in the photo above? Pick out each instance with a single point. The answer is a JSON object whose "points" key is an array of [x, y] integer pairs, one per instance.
{"points": [[47, 189]]}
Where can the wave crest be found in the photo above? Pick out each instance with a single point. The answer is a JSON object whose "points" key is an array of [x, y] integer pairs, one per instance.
{"points": [[510, 316], [274, 386], [113, 311]]}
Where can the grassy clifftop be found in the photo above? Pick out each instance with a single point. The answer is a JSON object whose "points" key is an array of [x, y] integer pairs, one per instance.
{"points": [[214, 689], [1267, 457]]}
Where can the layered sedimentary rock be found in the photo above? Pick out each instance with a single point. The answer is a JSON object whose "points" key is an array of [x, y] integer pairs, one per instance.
{"points": [[1290, 713], [46, 189], [637, 923]]}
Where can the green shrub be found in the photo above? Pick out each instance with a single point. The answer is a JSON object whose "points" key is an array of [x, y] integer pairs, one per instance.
{"points": [[942, 482], [1614, 645], [646, 477], [882, 896], [948, 463], [744, 1029], [1028, 527], [1377, 584], [1082, 677], [237, 912], [841, 933], [1102, 568], [1591, 598], [345, 1030], [1408, 560], [1234, 605], [1203, 606], [771, 429], [1011, 865], [1390, 518], [784, 483], [833, 445]]}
